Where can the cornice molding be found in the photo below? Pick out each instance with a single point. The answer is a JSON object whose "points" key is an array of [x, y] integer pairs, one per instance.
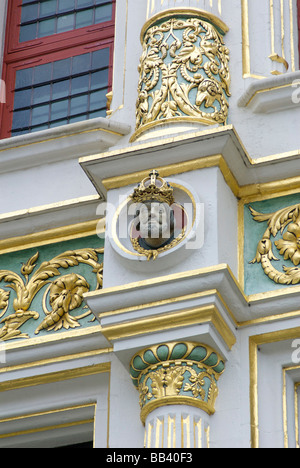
{"points": [[270, 94], [56, 220], [48, 146], [217, 147], [205, 287]]}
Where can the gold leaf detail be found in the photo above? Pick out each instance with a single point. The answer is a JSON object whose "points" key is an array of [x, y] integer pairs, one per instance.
{"points": [[287, 222]]}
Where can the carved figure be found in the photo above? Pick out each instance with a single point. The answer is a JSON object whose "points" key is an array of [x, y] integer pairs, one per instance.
{"points": [[154, 223]]}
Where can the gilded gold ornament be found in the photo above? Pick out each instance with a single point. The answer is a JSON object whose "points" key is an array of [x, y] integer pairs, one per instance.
{"points": [[154, 253], [286, 222], [153, 187], [184, 73], [66, 293], [177, 373]]}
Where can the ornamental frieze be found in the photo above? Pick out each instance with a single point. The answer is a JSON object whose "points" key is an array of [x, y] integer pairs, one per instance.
{"points": [[46, 294]]}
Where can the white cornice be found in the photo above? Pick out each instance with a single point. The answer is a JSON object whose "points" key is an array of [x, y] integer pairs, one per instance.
{"points": [[271, 94], [42, 218], [176, 151], [163, 291], [60, 144]]}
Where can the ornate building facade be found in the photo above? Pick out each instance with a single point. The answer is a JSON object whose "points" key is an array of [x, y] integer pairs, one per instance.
{"points": [[119, 117]]}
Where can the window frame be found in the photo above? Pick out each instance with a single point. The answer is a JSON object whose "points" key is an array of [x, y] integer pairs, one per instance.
{"points": [[21, 55]]}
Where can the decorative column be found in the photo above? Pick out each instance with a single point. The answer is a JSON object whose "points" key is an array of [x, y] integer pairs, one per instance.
{"points": [[177, 383], [184, 71]]}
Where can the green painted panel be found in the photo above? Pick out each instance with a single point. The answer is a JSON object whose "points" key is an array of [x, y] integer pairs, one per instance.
{"points": [[255, 278], [41, 288]]}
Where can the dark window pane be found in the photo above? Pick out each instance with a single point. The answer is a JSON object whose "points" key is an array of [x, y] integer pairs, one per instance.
{"points": [[59, 109], [47, 8], [29, 12], [60, 89], [21, 119], [100, 58], [103, 13], [65, 23], [57, 16], [98, 113], [22, 99], [84, 18], [43, 73], [41, 94], [18, 132], [84, 3], [58, 123], [99, 79], [81, 63], [98, 100], [79, 105], [78, 118], [61, 69], [47, 27], [28, 33], [80, 84], [41, 127], [61, 92], [40, 115], [66, 5], [24, 78]]}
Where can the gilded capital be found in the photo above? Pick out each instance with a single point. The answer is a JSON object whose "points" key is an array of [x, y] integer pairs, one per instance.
{"points": [[184, 70], [176, 373]]}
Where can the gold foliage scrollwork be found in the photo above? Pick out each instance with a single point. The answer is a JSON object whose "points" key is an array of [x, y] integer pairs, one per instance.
{"points": [[65, 293], [284, 222], [184, 73], [177, 373], [179, 380]]}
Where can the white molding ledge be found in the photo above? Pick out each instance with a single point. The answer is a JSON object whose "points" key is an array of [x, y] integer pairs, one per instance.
{"points": [[119, 166], [206, 305], [60, 144], [42, 218], [271, 94]]}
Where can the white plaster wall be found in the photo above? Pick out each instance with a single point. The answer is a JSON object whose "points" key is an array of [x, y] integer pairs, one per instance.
{"points": [[227, 422], [43, 185], [125, 427], [227, 216], [231, 423]]}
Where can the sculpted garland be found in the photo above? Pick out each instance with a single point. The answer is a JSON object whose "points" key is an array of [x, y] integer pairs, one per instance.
{"points": [[184, 65], [287, 222], [65, 293]]}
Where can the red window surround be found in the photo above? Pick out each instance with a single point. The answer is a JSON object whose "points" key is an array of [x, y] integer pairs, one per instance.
{"points": [[22, 55]]}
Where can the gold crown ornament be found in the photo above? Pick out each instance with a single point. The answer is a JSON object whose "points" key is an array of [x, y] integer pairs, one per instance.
{"points": [[154, 188]]}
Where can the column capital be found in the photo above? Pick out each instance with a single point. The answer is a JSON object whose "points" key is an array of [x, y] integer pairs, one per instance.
{"points": [[177, 373]]}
